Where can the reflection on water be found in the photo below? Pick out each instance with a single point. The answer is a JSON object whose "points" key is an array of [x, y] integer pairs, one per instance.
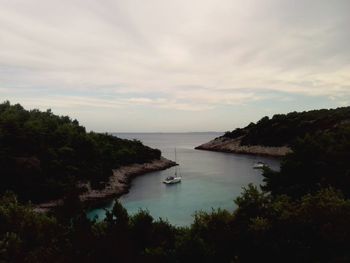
{"points": [[209, 179]]}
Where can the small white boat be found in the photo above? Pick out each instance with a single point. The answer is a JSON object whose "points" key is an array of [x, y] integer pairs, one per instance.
{"points": [[173, 179], [259, 165]]}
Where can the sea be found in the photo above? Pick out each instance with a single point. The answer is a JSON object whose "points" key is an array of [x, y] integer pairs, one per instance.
{"points": [[210, 180]]}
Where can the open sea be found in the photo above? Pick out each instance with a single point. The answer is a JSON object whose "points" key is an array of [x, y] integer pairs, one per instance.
{"points": [[209, 179]]}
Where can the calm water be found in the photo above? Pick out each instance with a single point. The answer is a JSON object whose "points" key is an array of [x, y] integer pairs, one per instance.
{"points": [[209, 179]]}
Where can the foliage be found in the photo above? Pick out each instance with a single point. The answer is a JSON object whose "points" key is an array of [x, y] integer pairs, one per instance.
{"points": [[314, 228], [302, 213], [285, 129], [42, 154], [24, 233], [317, 162]]}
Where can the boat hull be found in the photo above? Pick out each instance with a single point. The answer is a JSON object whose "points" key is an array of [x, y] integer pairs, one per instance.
{"points": [[174, 181], [259, 166]]}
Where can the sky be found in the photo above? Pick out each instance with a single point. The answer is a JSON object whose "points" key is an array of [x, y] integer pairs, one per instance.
{"points": [[174, 66]]}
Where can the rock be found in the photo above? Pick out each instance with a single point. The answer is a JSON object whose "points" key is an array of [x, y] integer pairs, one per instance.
{"points": [[224, 144], [118, 184]]}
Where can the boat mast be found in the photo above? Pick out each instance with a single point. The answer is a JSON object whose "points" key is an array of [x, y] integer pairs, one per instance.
{"points": [[176, 164]]}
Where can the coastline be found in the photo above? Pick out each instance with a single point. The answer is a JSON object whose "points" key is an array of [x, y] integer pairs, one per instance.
{"points": [[228, 145], [119, 183]]}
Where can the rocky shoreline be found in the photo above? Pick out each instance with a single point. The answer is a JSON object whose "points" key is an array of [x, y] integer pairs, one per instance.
{"points": [[118, 184], [224, 144]]}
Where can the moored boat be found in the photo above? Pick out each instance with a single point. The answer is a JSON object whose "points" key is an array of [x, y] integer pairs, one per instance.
{"points": [[259, 165], [173, 179]]}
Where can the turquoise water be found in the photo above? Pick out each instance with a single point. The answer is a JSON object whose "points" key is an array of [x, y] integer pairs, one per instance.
{"points": [[210, 179]]}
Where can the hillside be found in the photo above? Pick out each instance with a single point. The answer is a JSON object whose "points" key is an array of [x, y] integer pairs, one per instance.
{"points": [[274, 136], [43, 156], [301, 214]]}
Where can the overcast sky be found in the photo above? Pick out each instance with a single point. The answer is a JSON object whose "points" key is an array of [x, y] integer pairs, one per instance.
{"points": [[183, 65]]}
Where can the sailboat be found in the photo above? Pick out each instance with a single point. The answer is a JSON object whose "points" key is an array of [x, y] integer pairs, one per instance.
{"points": [[173, 179], [259, 165]]}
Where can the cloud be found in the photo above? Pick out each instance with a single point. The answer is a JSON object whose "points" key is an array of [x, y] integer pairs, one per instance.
{"points": [[175, 55]]}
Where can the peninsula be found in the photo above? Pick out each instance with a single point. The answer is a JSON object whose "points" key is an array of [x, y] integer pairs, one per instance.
{"points": [[226, 144], [275, 136], [45, 158], [118, 184]]}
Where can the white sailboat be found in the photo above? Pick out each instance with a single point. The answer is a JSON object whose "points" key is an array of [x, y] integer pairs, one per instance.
{"points": [[173, 179], [259, 165]]}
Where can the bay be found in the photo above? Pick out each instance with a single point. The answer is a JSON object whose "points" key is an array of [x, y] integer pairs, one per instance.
{"points": [[210, 180]]}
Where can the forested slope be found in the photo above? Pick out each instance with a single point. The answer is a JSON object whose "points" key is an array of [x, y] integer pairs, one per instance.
{"points": [[284, 129], [301, 214], [43, 155]]}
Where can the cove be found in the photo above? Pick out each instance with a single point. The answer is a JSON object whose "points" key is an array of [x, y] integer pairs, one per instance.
{"points": [[210, 179]]}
